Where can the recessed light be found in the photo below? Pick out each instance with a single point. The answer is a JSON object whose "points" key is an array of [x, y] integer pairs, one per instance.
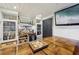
{"points": [[14, 7], [39, 16]]}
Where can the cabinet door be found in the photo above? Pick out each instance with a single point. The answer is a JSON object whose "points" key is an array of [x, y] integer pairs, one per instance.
{"points": [[38, 29], [47, 27], [9, 30], [1, 31]]}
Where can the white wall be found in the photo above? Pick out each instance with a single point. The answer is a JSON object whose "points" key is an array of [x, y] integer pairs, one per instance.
{"points": [[71, 32]]}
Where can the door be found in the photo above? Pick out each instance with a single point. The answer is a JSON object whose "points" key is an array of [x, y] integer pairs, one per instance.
{"points": [[47, 27]]}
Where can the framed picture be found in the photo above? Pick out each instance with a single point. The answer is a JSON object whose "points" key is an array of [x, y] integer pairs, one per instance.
{"points": [[68, 16]]}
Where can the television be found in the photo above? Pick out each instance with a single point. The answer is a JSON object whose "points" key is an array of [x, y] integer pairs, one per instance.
{"points": [[68, 16]]}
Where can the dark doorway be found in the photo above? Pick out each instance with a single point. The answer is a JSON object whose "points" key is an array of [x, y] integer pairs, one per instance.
{"points": [[47, 27]]}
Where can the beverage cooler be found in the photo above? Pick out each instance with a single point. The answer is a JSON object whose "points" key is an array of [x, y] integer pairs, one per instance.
{"points": [[39, 30], [8, 30]]}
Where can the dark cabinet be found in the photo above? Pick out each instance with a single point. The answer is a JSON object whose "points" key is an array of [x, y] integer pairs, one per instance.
{"points": [[47, 27], [32, 37]]}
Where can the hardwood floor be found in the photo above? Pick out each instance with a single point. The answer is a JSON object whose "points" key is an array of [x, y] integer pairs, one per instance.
{"points": [[40, 53], [24, 49], [56, 46]]}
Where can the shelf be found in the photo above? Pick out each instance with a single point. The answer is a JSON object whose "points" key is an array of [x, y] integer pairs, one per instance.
{"points": [[22, 43]]}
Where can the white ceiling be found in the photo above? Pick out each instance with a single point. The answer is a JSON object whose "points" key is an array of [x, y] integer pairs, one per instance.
{"points": [[33, 9]]}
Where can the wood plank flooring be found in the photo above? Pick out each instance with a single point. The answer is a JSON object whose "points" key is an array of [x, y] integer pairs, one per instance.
{"points": [[56, 46]]}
